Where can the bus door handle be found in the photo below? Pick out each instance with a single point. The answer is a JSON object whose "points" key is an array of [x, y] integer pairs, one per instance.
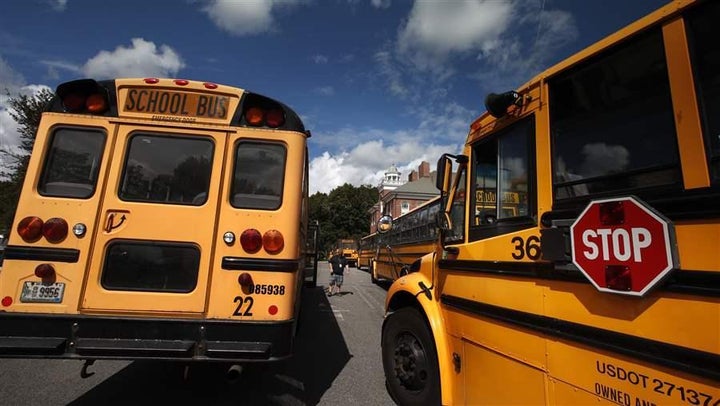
{"points": [[112, 221]]}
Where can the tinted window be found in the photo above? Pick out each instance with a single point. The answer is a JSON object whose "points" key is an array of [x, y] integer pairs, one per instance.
{"points": [[162, 169], [704, 31], [258, 177], [611, 121], [73, 163], [151, 266]]}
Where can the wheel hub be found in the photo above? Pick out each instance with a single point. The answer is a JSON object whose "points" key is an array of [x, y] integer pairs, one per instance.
{"points": [[411, 368]]}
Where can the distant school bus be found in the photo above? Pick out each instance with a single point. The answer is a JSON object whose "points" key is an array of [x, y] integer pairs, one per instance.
{"points": [[413, 235], [602, 284], [348, 248], [159, 219], [367, 249]]}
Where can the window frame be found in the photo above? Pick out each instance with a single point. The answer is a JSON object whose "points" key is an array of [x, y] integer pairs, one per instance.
{"points": [[232, 192], [49, 158], [506, 225], [171, 136]]}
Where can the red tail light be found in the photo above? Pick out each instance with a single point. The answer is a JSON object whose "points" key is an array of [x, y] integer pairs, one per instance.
{"points": [[251, 240], [7, 301], [55, 230], [273, 241], [30, 228], [275, 118], [73, 102]]}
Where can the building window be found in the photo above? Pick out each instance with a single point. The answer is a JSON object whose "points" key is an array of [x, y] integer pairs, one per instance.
{"points": [[404, 208]]}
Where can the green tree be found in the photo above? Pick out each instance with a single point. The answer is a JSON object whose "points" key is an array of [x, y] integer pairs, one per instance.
{"points": [[26, 111], [343, 213]]}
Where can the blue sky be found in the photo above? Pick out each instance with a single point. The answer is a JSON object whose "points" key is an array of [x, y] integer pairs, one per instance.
{"points": [[378, 82]]}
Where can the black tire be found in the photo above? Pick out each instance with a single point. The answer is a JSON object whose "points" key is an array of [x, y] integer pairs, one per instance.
{"points": [[412, 375]]}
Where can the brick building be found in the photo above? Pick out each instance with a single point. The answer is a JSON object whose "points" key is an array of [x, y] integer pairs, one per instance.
{"points": [[398, 197]]}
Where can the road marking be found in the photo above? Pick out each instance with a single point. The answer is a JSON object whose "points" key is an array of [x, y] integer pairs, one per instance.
{"points": [[367, 301]]}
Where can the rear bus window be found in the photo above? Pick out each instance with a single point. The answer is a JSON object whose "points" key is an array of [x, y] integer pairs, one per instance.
{"points": [[163, 169], [258, 176], [73, 163], [151, 266]]}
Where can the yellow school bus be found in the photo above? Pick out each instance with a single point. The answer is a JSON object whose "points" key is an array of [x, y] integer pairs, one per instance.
{"points": [[413, 235], [367, 250], [348, 248], [604, 286], [159, 219]]}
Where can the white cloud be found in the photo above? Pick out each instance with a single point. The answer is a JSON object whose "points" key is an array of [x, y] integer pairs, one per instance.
{"points": [[58, 5], [320, 59], [435, 30], [380, 3], [13, 83], [244, 17], [367, 162], [142, 59], [325, 91]]}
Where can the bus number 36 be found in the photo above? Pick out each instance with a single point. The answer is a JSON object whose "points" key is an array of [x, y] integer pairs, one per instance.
{"points": [[529, 247], [241, 304]]}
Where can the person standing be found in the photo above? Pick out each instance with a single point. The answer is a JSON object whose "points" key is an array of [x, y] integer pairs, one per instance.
{"points": [[337, 267]]}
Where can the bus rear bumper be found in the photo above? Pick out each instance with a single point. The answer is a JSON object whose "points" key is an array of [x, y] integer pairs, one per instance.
{"points": [[98, 337]]}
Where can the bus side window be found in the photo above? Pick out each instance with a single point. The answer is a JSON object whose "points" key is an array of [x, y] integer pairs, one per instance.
{"points": [[703, 30], [502, 186]]}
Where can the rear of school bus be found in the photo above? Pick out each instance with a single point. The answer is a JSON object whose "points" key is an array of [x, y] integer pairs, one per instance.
{"points": [[603, 285], [159, 219]]}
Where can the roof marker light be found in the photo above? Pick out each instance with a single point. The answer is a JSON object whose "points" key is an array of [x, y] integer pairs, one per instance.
{"points": [[181, 82], [209, 85], [151, 81]]}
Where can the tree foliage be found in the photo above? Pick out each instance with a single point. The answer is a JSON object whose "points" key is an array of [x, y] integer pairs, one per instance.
{"points": [[26, 111], [343, 213]]}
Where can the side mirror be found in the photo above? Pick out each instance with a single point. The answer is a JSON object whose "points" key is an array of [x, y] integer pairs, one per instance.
{"points": [[444, 173], [385, 224]]}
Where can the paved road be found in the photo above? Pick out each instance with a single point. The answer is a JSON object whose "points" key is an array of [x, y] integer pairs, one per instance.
{"points": [[337, 362]]}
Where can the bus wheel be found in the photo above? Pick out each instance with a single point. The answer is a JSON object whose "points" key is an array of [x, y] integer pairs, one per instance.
{"points": [[409, 358]]}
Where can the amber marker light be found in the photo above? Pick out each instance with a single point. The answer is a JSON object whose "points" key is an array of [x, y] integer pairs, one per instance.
{"points": [[273, 241], [255, 116], [96, 103]]}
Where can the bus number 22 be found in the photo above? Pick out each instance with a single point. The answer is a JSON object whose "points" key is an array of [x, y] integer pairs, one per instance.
{"points": [[240, 302], [531, 247]]}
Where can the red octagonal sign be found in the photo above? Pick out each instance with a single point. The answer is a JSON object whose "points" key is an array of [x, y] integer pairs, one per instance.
{"points": [[623, 246]]}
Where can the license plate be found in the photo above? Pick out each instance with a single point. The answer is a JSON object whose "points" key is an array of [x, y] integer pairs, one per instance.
{"points": [[38, 292]]}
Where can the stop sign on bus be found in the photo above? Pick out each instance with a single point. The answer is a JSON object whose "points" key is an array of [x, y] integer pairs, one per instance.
{"points": [[623, 246]]}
